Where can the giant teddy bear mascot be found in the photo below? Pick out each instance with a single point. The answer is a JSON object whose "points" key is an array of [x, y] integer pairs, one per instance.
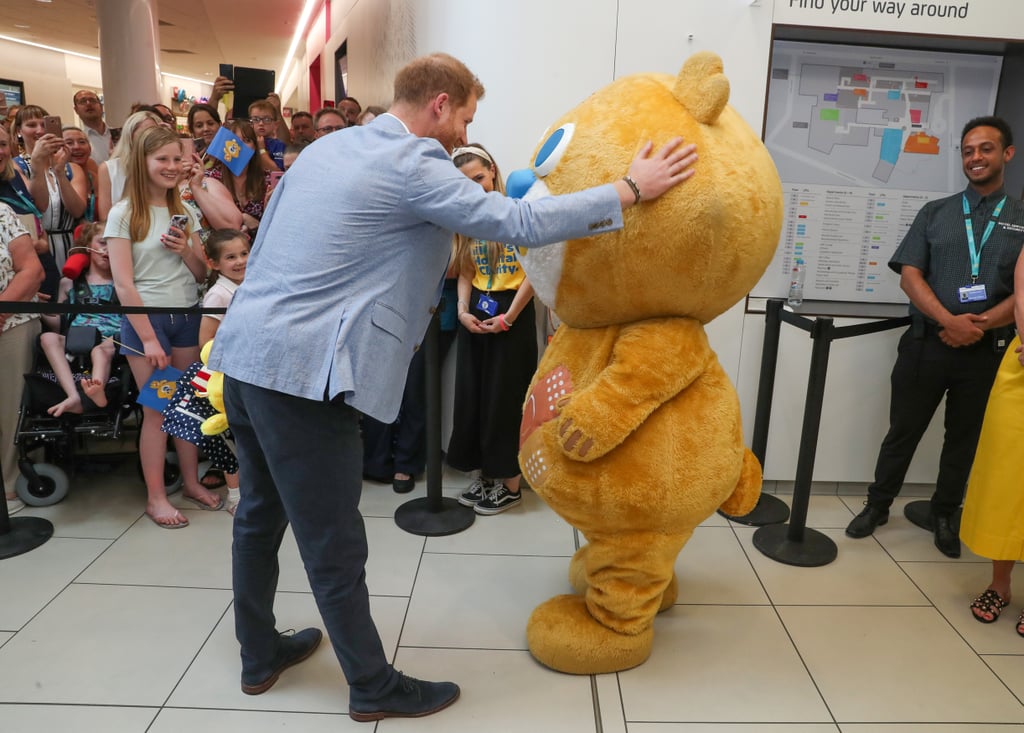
{"points": [[631, 428]]}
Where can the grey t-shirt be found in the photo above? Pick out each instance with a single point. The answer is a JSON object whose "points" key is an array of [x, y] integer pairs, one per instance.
{"points": [[161, 276]]}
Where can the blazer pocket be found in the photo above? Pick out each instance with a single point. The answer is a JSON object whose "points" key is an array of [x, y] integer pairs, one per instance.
{"points": [[388, 319]]}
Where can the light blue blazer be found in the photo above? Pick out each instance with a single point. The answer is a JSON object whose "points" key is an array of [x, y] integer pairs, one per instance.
{"points": [[350, 257]]}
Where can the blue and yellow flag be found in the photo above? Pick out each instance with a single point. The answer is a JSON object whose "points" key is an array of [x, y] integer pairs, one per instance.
{"points": [[158, 390], [228, 148]]}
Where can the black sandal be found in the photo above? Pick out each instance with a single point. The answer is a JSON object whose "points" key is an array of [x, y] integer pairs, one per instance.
{"points": [[213, 479], [992, 603]]}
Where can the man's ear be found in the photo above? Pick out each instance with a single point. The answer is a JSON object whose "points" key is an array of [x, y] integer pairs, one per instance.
{"points": [[1009, 153], [440, 104]]}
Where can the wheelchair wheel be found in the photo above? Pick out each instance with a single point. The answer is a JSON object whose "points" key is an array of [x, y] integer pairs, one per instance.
{"points": [[52, 488]]}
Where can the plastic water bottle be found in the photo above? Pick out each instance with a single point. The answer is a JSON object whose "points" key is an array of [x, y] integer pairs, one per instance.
{"points": [[796, 284]]}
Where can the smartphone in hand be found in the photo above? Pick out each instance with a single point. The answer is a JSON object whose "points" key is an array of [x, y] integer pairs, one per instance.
{"points": [[199, 145], [178, 221], [52, 125], [227, 71]]}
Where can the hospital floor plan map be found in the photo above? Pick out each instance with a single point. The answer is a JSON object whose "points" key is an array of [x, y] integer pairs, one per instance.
{"points": [[862, 138]]}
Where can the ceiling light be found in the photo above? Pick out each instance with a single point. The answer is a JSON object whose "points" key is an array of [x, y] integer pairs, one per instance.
{"points": [[300, 29], [22, 41]]}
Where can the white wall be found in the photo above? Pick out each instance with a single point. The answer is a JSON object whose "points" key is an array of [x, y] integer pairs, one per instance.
{"points": [[538, 58], [52, 78], [45, 75]]}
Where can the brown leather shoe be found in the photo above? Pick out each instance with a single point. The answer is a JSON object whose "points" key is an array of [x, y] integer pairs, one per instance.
{"points": [[290, 651]]}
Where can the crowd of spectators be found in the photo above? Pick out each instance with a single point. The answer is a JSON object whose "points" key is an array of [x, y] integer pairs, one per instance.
{"points": [[94, 181], [100, 180]]}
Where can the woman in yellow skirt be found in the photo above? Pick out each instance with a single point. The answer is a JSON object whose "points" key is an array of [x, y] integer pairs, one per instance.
{"points": [[993, 517]]}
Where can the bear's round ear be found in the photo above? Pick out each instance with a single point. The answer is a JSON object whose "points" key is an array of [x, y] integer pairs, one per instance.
{"points": [[702, 87]]}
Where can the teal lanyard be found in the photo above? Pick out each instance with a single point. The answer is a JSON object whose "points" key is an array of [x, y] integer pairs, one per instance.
{"points": [[975, 250]]}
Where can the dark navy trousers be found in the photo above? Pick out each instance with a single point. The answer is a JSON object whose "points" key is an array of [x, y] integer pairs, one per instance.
{"points": [[301, 463]]}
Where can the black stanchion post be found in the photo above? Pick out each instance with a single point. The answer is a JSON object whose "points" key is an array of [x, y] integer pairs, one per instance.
{"points": [[433, 515], [19, 535], [794, 544], [769, 509]]}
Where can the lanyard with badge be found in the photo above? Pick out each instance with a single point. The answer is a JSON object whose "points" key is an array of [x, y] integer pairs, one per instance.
{"points": [[974, 292], [485, 302]]}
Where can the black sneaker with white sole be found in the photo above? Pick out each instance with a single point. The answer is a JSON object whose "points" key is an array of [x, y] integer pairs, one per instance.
{"points": [[498, 501], [477, 491]]}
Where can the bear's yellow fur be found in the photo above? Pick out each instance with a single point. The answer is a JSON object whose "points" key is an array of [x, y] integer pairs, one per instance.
{"points": [[631, 429]]}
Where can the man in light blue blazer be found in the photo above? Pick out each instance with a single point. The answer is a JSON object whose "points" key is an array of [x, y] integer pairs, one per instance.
{"points": [[341, 283]]}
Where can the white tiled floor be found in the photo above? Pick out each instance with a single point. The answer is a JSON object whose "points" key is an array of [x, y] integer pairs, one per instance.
{"points": [[117, 626]]}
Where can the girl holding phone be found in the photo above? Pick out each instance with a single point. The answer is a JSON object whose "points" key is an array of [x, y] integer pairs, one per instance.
{"points": [[155, 262]]}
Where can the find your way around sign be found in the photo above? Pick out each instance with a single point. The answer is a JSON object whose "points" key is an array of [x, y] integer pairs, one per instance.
{"points": [[886, 7], [960, 18]]}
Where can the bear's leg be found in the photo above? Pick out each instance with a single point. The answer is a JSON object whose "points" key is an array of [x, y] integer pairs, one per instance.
{"points": [[609, 629], [578, 579]]}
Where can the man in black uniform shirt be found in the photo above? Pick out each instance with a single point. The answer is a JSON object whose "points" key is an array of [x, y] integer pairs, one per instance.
{"points": [[956, 266]]}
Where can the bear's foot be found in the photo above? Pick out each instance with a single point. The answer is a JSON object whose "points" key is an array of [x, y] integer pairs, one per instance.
{"points": [[578, 580], [564, 636]]}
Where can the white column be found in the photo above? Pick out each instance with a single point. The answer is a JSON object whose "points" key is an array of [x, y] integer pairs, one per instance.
{"points": [[129, 43]]}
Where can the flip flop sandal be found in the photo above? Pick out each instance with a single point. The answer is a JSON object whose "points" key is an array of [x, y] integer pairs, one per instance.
{"points": [[180, 522], [1020, 624], [992, 603], [203, 505]]}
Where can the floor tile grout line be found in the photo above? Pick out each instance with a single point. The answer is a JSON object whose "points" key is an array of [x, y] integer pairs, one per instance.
{"points": [[258, 710], [943, 616], [192, 661], [785, 628], [497, 554], [930, 603], [595, 698], [450, 648], [622, 702], [72, 581], [962, 638], [408, 603]]}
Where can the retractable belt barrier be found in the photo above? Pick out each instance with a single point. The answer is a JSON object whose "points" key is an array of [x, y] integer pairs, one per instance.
{"points": [[793, 543], [20, 306]]}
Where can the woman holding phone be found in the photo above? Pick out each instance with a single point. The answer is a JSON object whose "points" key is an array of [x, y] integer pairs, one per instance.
{"points": [[156, 260], [55, 180], [203, 123]]}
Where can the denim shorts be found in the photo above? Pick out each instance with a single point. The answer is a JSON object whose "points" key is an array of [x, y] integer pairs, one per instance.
{"points": [[173, 330]]}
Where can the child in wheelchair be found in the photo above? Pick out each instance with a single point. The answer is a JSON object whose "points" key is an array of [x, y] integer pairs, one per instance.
{"points": [[87, 390], [86, 332]]}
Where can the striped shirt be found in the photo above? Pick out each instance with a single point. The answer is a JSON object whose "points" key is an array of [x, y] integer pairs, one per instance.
{"points": [[936, 243]]}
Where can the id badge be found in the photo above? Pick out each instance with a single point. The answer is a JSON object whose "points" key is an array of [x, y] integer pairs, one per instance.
{"points": [[973, 294], [487, 304]]}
